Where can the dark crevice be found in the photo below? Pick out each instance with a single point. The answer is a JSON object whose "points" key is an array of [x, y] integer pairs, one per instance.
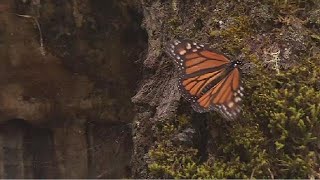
{"points": [[200, 124], [34, 156]]}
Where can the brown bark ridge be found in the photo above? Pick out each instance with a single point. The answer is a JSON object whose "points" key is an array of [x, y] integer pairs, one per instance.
{"points": [[68, 71], [158, 96]]}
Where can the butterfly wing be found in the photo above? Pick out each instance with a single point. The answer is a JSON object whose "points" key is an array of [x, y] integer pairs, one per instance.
{"points": [[206, 79], [224, 97], [192, 57]]}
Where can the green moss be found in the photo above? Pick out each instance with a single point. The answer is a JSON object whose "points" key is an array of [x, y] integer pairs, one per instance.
{"points": [[278, 133], [278, 137], [175, 162], [234, 35], [288, 104]]}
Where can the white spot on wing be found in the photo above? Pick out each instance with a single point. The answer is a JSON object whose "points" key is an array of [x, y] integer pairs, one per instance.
{"points": [[188, 46], [231, 104], [237, 99], [182, 52], [224, 108], [176, 42]]}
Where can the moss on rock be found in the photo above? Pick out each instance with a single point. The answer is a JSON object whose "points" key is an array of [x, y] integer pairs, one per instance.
{"points": [[278, 133]]}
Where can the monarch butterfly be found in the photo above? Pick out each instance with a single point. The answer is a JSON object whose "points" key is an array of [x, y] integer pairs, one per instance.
{"points": [[207, 79]]}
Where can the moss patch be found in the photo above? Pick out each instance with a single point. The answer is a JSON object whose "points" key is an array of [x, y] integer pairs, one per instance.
{"points": [[278, 133], [277, 137]]}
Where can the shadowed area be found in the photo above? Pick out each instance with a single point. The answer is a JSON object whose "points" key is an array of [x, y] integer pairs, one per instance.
{"points": [[72, 93]]}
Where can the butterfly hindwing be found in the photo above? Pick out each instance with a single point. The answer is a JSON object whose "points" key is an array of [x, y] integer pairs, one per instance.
{"points": [[206, 78]]}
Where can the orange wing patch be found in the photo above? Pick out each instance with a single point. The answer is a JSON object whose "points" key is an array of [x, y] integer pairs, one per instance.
{"points": [[196, 89], [187, 81], [226, 91], [190, 85], [194, 61], [195, 85], [192, 55], [212, 55], [236, 83], [223, 96], [207, 79], [204, 65]]}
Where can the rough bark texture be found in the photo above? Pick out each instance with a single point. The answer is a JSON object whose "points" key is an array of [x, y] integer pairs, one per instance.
{"points": [[65, 104], [278, 43], [158, 97], [87, 91]]}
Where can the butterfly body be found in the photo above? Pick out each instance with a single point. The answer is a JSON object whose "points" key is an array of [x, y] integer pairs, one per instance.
{"points": [[207, 79]]}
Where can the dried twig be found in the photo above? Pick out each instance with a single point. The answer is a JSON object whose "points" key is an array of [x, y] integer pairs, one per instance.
{"points": [[252, 174], [271, 174], [42, 50]]}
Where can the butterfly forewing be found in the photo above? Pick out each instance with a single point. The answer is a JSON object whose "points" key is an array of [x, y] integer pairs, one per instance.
{"points": [[192, 58], [207, 79]]}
